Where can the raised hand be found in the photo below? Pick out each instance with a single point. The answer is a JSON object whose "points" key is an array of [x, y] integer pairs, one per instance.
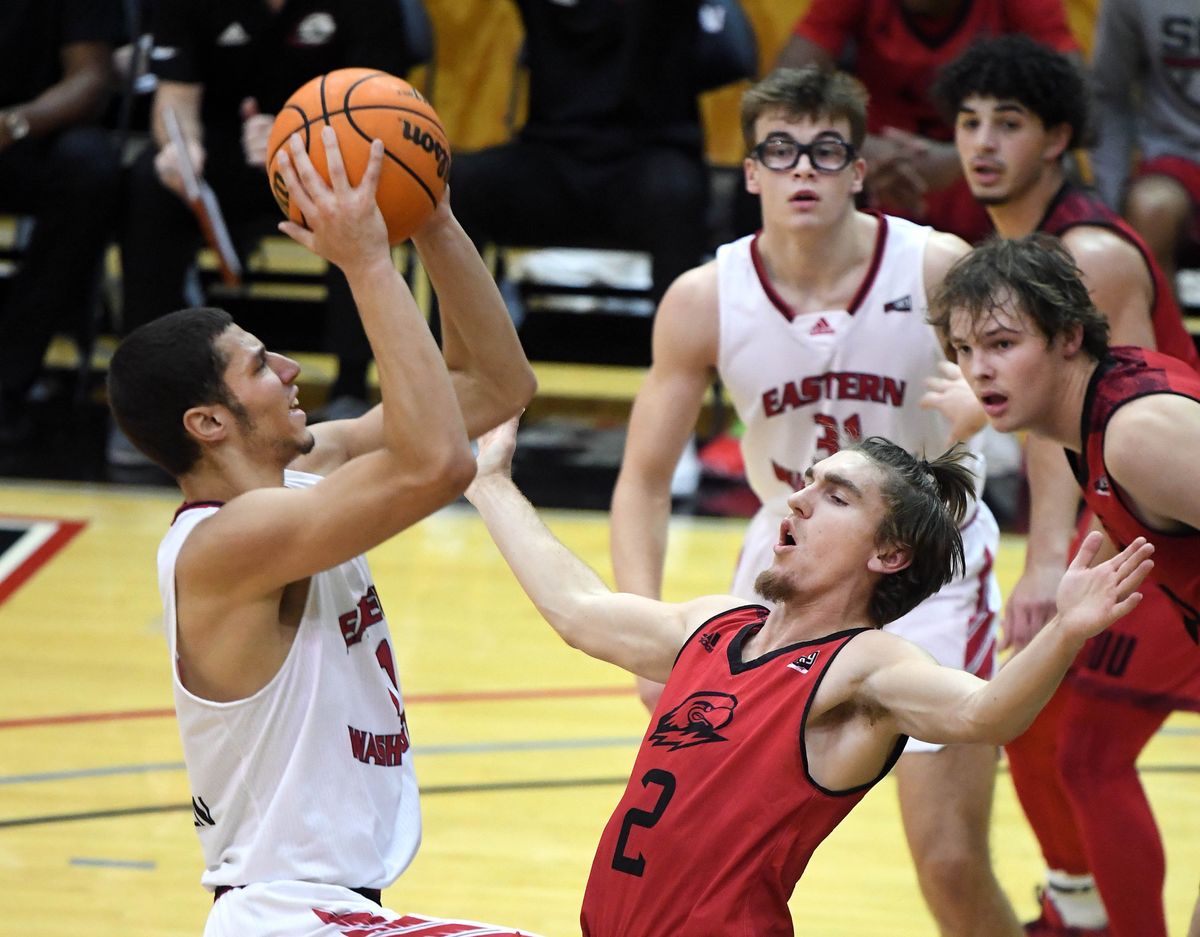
{"points": [[1091, 599], [949, 394], [256, 130], [344, 224], [496, 448], [166, 165]]}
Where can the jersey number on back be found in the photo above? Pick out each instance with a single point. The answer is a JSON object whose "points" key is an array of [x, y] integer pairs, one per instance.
{"points": [[636, 865]]}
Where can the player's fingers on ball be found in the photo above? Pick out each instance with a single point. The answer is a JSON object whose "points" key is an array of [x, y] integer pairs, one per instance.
{"points": [[297, 233], [305, 170], [333, 159], [297, 192], [370, 180]]}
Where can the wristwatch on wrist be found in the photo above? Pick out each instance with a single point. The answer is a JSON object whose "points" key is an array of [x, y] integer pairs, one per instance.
{"points": [[17, 125]]}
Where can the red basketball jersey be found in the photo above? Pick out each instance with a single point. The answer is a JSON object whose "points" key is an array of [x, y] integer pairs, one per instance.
{"points": [[899, 53], [720, 815], [1127, 374], [1072, 207]]}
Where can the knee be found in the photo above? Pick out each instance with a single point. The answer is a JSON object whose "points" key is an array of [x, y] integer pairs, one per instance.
{"points": [[1155, 203], [954, 875]]}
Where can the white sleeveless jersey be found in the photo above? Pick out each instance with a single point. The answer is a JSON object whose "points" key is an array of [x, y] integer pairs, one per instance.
{"points": [[798, 380], [311, 778]]}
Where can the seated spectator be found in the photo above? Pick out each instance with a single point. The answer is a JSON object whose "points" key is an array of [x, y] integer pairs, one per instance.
{"points": [[611, 152], [58, 166], [226, 69], [1146, 74], [895, 49]]}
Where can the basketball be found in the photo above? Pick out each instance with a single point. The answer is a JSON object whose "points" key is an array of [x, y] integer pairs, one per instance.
{"points": [[361, 105]]}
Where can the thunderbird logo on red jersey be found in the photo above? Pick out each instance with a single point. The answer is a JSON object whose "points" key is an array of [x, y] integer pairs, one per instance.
{"points": [[822, 327], [695, 721], [802, 664], [1101, 487]]}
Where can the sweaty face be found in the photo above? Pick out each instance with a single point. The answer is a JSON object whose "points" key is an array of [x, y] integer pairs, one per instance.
{"points": [[1004, 148]]}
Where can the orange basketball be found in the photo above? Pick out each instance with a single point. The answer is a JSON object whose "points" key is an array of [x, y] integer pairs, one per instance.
{"points": [[361, 105]]}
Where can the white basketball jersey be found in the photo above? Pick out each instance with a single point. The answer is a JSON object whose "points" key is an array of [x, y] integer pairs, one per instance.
{"points": [[311, 778], [799, 380]]}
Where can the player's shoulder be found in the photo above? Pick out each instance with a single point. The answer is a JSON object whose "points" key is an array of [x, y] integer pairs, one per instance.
{"points": [[694, 289], [1098, 247], [942, 251], [1149, 424]]}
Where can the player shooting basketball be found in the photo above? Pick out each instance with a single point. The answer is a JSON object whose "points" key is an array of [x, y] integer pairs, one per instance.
{"points": [[276, 630]]}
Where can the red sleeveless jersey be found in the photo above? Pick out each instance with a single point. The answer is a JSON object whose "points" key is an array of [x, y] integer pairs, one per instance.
{"points": [[720, 815], [1073, 207], [1127, 374]]}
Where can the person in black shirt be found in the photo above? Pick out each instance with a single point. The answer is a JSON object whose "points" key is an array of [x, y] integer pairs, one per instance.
{"points": [[58, 166], [226, 67], [611, 152]]}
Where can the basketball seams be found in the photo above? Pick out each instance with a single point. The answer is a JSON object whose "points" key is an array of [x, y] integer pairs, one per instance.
{"points": [[414, 137], [424, 115], [305, 123]]}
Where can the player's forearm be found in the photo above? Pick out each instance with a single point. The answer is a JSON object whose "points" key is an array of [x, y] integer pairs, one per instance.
{"points": [[1053, 504], [560, 584], [78, 98], [1005, 706], [184, 100], [479, 341], [640, 519], [420, 415]]}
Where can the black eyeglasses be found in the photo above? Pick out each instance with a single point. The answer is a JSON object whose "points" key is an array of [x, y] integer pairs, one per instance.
{"points": [[827, 153]]}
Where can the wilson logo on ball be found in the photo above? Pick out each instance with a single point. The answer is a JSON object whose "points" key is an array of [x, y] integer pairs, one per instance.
{"points": [[362, 105]]}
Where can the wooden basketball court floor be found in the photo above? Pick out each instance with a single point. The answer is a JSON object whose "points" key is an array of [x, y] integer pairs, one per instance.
{"points": [[521, 744]]}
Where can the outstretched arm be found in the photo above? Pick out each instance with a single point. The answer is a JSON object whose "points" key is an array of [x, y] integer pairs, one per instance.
{"points": [[492, 378], [939, 704], [638, 634]]}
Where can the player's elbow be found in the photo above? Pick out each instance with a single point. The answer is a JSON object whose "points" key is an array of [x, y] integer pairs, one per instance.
{"points": [[524, 387], [441, 478], [456, 470]]}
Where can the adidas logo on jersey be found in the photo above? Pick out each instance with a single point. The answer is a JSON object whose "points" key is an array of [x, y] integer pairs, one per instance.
{"points": [[709, 641], [903, 304], [234, 35], [802, 664], [822, 328]]}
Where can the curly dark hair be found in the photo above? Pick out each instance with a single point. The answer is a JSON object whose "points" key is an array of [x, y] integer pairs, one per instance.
{"points": [[1016, 68]]}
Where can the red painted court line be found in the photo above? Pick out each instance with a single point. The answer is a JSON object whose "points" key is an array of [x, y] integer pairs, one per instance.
{"points": [[55, 542], [480, 697]]}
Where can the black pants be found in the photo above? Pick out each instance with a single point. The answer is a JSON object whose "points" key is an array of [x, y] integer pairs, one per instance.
{"points": [[526, 193], [69, 183], [161, 237]]}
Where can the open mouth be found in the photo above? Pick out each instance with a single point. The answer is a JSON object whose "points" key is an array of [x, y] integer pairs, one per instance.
{"points": [[993, 402], [804, 197], [785, 535], [986, 172]]}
